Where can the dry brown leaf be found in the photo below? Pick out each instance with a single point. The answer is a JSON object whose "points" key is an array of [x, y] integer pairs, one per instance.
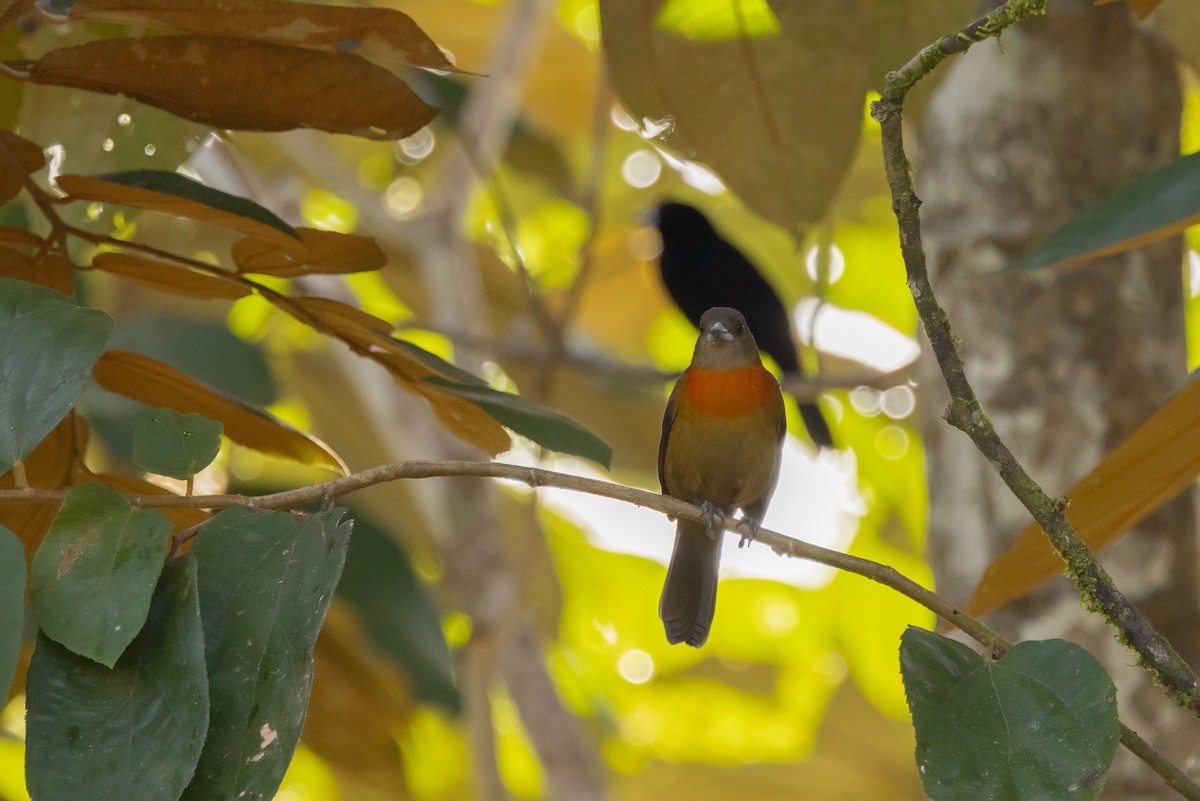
{"points": [[28, 158], [230, 82], [55, 464], [368, 336], [170, 278], [83, 187], [1143, 8], [466, 420], [1153, 465], [12, 237], [48, 269], [343, 319], [318, 252], [156, 384], [380, 34]]}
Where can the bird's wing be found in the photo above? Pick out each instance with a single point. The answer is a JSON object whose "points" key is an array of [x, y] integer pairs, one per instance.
{"points": [[668, 421]]}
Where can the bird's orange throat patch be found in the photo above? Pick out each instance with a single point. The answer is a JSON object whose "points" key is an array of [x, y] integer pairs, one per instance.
{"points": [[729, 393]]}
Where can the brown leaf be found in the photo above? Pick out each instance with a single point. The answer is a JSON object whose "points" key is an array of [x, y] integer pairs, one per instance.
{"points": [[55, 464], [156, 384], [466, 420], [343, 319], [1143, 8], [12, 237], [380, 34], [170, 278], [368, 336], [28, 158], [83, 187], [772, 101], [1153, 465], [318, 252], [230, 82], [49, 269]]}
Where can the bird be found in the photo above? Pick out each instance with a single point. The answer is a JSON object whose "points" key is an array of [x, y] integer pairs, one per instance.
{"points": [[701, 269], [721, 448]]}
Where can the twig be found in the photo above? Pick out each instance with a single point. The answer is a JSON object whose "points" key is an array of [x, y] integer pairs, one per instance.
{"points": [[993, 641], [965, 412]]}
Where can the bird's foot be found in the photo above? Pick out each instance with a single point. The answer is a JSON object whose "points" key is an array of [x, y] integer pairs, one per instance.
{"points": [[753, 523], [714, 514]]}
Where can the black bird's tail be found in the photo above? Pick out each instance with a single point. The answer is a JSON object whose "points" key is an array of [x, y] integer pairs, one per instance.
{"points": [[818, 429], [689, 597]]}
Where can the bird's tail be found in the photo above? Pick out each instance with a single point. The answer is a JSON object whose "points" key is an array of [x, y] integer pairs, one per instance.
{"points": [[689, 596], [818, 429]]}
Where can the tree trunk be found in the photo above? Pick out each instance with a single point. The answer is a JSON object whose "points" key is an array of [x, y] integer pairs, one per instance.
{"points": [[1020, 135]]}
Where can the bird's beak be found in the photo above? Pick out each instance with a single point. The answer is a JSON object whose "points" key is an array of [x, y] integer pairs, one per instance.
{"points": [[718, 331]]}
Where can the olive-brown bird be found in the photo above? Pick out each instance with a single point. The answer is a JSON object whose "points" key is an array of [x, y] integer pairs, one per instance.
{"points": [[721, 446]]}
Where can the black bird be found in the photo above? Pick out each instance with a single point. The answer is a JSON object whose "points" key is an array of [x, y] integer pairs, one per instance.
{"points": [[702, 270]]}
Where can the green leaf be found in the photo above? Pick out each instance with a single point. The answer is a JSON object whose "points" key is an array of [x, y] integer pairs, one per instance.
{"points": [[95, 571], [1039, 723], [1154, 206], [172, 444], [47, 346], [396, 612], [173, 183], [266, 580], [438, 364], [12, 605], [544, 426], [133, 732]]}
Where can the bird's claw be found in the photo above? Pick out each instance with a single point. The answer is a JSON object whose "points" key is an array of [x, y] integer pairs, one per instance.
{"points": [[753, 524], [712, 513]]}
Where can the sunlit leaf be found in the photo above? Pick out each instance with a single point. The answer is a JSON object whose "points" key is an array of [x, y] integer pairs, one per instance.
{"points": [[1040, 722], [1143, 8], [204, 79], [170, 278], [172, 193], [168, 443], [266, 580], [93, 575], [132, 732], [1156, 205], [380, 34], [47, 346], [156, 384], [318, 252], [781, 143], [1155, 463], [12, 605], [18, 158], [544, 426]]}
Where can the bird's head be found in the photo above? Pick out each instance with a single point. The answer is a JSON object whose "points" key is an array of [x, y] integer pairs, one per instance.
{"points": [[725, 341]]}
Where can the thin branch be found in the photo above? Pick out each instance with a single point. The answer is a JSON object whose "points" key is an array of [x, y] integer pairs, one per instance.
{"points": [[993, 641], [965, 412]]}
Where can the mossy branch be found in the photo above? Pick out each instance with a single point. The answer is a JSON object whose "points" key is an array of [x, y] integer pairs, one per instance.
{"points": [[1095, 587]]}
